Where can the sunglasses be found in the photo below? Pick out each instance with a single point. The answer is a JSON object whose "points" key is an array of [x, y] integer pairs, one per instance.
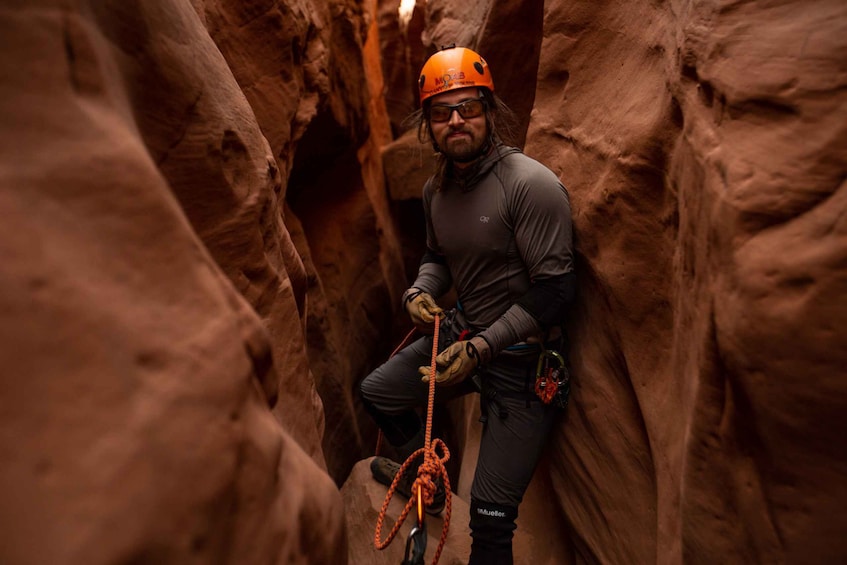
{"points": [[467, 109]]}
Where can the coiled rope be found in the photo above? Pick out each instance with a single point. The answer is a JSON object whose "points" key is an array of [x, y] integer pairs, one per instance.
{"points": [[431, 468]]}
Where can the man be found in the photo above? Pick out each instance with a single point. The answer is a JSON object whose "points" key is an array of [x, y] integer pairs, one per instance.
{"points": [[498, 228]]}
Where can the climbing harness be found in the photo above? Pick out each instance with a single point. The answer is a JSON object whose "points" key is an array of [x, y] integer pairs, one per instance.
{"points": [[490, 398], [424, 486], [552, 379]]}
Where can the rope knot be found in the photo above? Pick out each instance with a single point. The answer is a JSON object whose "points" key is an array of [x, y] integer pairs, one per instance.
{"points": [[429, 487], [432, 466]]}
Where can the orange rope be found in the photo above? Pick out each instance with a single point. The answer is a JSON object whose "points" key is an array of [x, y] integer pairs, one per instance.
{"points": [[432, 466]]}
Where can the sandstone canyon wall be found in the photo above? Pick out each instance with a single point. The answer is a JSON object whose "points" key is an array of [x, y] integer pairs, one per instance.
{"points": [[159, 403], [704, 144], [201, 257]]}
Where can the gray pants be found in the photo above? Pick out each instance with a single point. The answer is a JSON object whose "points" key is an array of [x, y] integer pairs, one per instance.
{"points": [[516, 424]]}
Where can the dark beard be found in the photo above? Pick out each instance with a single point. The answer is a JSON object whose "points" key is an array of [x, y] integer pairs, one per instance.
{"points": [[466, 154]]}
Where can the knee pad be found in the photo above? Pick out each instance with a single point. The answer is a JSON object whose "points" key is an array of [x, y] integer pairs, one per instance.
{"points": [[492, 529]]}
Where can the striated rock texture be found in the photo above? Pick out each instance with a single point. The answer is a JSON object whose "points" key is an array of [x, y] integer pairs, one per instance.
{"points": [[704, 145], [202, 255], [705, 151], [160, 403], [307, 69]]}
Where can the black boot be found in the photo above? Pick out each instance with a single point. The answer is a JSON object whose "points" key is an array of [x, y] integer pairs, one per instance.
{"points": [[492, 529], [406, 435]]}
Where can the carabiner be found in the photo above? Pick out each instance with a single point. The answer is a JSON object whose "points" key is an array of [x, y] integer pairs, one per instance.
{"points": [[544, 359], [551, 378], [416, 546]]}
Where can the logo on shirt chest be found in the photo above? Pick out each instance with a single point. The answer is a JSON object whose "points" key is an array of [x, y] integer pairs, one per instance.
{"points": [[484, 219]]}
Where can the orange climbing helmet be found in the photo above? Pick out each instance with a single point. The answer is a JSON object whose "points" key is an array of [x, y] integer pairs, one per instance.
{"points": [[451, 68]]}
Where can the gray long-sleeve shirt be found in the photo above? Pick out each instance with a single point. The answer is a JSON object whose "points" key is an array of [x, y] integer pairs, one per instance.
{"points": [[506, 225]]}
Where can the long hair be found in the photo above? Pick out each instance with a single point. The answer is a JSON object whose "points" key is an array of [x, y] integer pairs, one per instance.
{"points": [[501, 125]]}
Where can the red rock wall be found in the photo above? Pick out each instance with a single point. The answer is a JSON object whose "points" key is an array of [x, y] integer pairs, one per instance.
{"points": [[703, 144], [200, 261], [300, 67], [161, 401], [704, 147]]}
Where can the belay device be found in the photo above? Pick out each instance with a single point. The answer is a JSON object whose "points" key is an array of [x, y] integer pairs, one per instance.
{"points": [[552, 379]]}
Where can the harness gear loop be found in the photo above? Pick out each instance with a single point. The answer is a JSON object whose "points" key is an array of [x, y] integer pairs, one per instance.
{"points": [[489, 397], [424, 486]]}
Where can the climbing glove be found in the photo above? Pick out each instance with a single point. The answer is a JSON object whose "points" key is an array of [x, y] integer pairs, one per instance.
{"points": [[422, 308], [458, 361]]}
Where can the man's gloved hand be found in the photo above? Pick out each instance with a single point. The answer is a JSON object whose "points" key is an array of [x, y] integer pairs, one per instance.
{"points": [[422, 309], [458, 362]]}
